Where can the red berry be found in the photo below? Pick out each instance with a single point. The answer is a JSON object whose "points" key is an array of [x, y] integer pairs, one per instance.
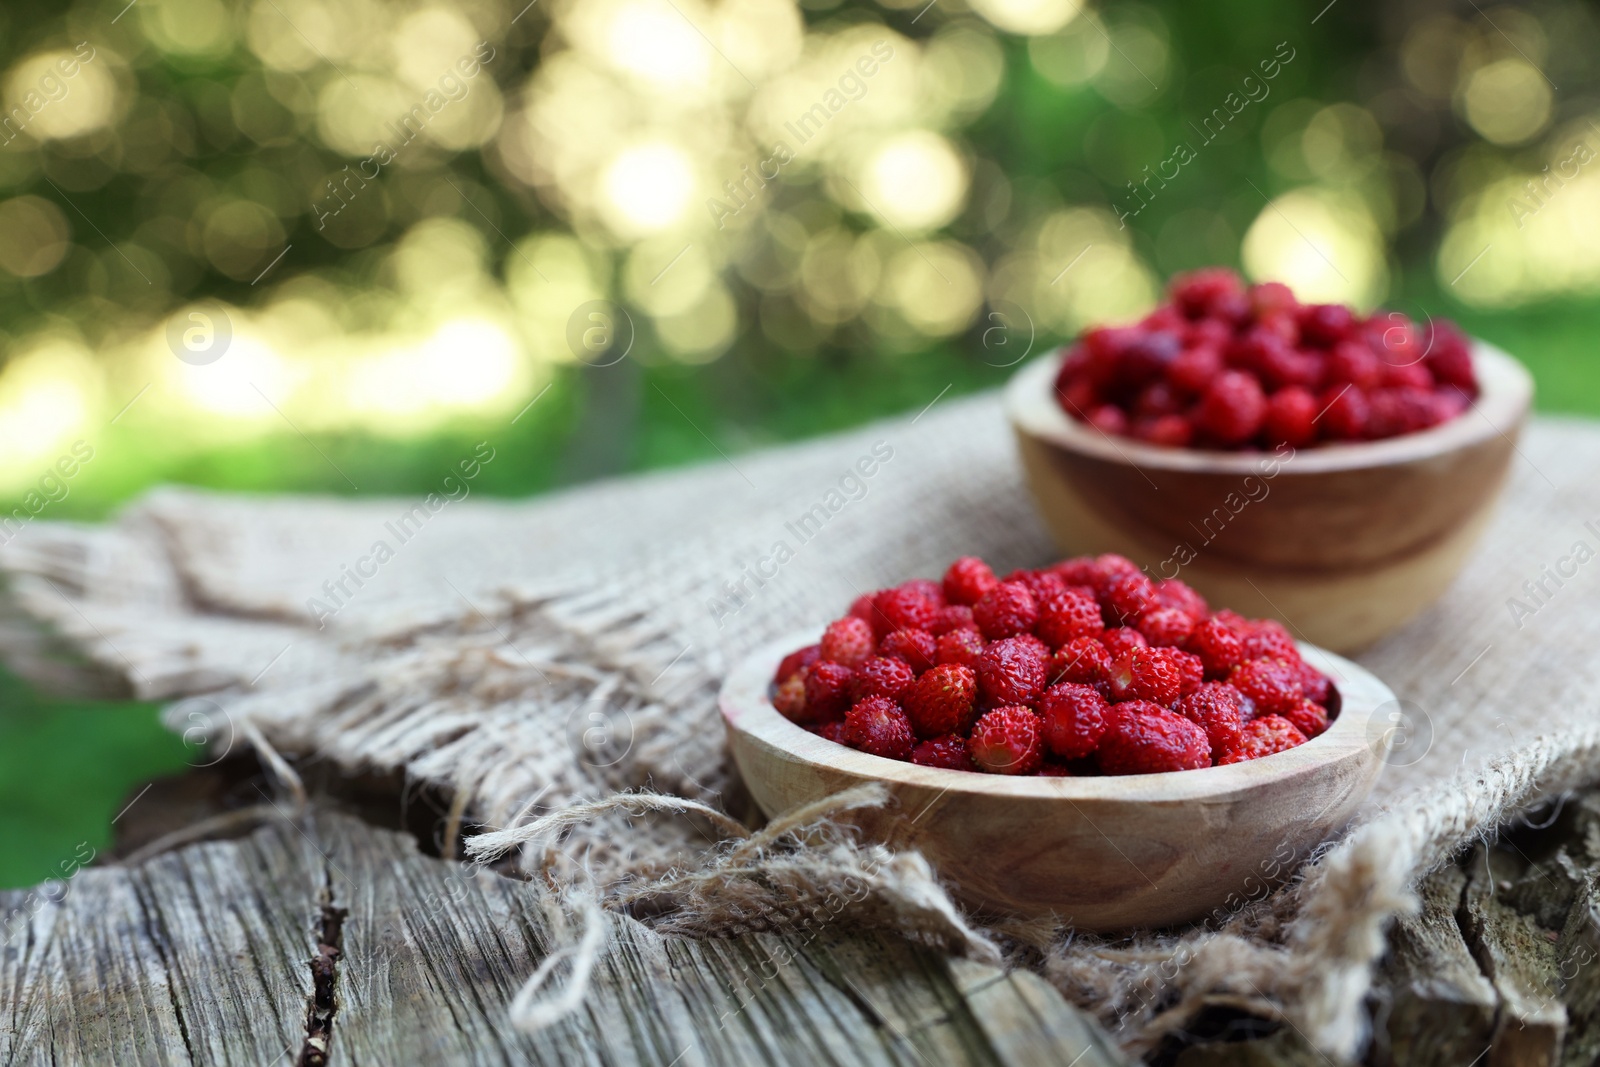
{"points": [[864, 608], [1142, 738], [790, 697], [1263, 737], [1007, 741], [1172, 593], [906, 608], [1198, 291], [1169, 431], [1269, 638], [1158, 399], [916, 647], [949, 752], [1325, 324], [1290, 412], [1219, 648], [967, 579], [847, 641], [926, 588], [804, 657], [833, 731], [1216, 708], [1232, 408], [881, 676], [1166, 626], [1074, 719], [1109, 420], [1345, 412], [953, 617], [1128, 596], [1042, 584], [1191, 672], [1353, 363], [1083, 660], [1268, 297], [1005, 611], [877, 725], [1194, 369], [1121, 639], [1309, 718], [1054, 770], [1080, 570], [1067, 615], [1314, 684], [1273, 684], [827, 690], [1012, 671], [1450, 356], [943, 701], [959, 646], [1145, 674]]}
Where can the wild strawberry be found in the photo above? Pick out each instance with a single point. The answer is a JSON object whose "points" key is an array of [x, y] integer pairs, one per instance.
{"points": [[1166, 626], [1215, 707], [1196, 292], [1268, 638], [1345, 412], [1011, 671], [1067, 615], [1291, 412], [953, 617], [866, 609], [1074, 719], [1158, 399], [881, 676], [1309, 718], [1450, 356], [916, 647], [1042, 584], [1194, 368], [1219, 648], [926, 588], [1168, 431], [1109, 420], [827, 690], [877, 725], [790, 697], [1325, 324], [1007, 741], [1005, 611], [1108, 567], [1083, 660], [967, 579], [1054, 770], [1121, 639], [959, 646], [1144, 674], [1144, 738], [1353, 363], [1191, 672], [1264, 737], [833, 731], [1080, 570], [1232, 408], [949, 752], [942, 701], [1314, 684], [1269, 297], [847, 642], [791, 663], [906, 608], [1128, 596], [1176, 594], [1273, 684]]}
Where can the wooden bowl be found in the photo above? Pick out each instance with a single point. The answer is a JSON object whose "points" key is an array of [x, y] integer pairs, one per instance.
{"points": [[1099, 853], [1341, 542]]}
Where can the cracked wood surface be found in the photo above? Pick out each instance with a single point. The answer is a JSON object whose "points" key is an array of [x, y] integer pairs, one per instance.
{"points": [[329, 940]]}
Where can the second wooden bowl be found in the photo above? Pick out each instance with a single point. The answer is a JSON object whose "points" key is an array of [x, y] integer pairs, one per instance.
{"points": [[1100, 854], [1342, 542]]}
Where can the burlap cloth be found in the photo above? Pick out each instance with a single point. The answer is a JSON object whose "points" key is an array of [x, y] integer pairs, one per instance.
{"points": [[544, 656]]}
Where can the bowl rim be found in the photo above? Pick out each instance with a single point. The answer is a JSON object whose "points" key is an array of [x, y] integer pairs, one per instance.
{"points": [[1505, 394], [747, 709]]}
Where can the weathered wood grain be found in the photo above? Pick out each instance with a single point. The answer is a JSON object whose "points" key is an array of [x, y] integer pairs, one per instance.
{"points": [[1437, 1006], [328, 940]]}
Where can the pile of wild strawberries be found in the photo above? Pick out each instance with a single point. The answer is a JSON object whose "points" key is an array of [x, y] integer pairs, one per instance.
{"points": [[1225, 366], [1085, 667]]}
